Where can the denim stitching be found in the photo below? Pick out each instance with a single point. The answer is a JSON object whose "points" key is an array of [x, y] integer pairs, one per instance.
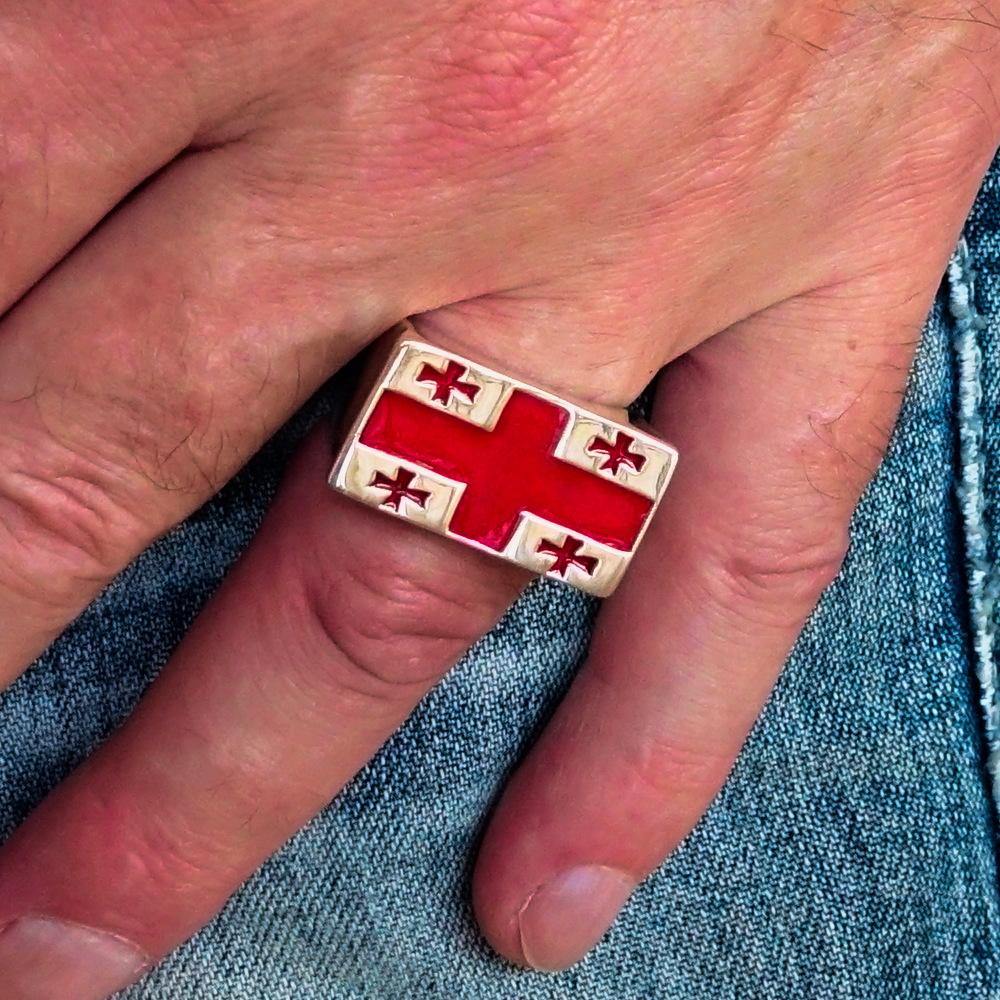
{"points": [[984, 582]]}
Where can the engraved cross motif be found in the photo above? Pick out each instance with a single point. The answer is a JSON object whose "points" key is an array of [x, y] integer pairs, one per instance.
{"points": [[619, 453], [566, 555], [448, 381], [399, 489]]}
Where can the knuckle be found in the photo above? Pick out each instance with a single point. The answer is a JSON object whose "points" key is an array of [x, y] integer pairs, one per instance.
{"points": [[166, 857], [774, 578], [505, 73], [392, 626], [658, 769], [158, 417], [60, 523], [78, 472], [160, 859]]}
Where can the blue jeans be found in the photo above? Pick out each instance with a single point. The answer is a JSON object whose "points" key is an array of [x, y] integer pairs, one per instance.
{"points": [[852, 854]]}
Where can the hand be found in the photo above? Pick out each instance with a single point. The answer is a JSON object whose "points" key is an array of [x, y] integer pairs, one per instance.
{"points": [[760, 196]]}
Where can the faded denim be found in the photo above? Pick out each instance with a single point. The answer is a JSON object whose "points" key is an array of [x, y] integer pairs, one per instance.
{"points": [[852, 855]]}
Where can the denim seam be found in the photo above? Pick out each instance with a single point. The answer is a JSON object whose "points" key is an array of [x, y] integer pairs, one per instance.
{"points": [[983, 580]]}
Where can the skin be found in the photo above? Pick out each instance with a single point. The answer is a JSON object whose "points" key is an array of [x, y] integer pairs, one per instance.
{"points": [[757, 199]]}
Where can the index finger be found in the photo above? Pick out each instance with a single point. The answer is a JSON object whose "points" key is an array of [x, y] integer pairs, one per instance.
{"points": [[92, 101]]}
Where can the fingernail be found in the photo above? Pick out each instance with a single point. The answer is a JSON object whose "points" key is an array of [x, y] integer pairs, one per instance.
{"points": [[44, 959], [564, 918]]}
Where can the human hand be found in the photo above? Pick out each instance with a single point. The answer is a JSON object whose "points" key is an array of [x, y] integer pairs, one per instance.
{"points": [[761, 197]]}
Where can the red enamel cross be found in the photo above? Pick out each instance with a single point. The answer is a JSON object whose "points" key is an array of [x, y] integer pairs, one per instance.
{"points": [[508, 470], [483, 458]]}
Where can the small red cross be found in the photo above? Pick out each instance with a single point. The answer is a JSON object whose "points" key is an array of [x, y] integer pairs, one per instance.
{"points": [[565, 555], [399, 489], [448, 381], [618, 454], [507, 470]]}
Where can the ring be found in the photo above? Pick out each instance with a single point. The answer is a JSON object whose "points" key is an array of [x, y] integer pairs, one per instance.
{"points": [[506, 467]]}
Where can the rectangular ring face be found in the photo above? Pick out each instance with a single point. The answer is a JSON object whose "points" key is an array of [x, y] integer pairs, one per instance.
{"points": [[505, 467]]}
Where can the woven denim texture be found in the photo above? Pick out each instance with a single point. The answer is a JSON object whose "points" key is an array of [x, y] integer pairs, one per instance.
{"points": [[851, 854]]}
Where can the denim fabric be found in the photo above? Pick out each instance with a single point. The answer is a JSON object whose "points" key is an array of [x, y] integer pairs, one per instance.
{"points": [[975, 300], [851, 855]]}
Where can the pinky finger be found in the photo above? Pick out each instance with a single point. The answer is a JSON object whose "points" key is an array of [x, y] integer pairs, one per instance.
{"points": [[778, 434]]}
